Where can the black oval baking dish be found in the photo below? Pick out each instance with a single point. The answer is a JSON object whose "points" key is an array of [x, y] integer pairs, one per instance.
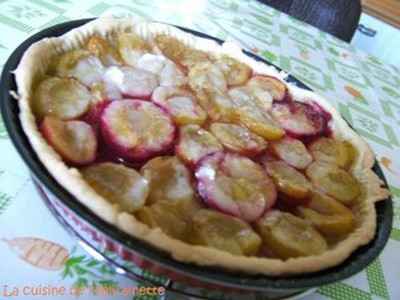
{"points": [[355, 263]]}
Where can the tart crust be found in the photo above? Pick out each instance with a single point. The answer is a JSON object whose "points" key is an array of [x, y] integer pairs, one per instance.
{"points": [[33, 66]]}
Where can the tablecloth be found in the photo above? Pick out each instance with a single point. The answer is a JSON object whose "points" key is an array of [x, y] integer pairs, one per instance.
{"points": [[361, 87]]}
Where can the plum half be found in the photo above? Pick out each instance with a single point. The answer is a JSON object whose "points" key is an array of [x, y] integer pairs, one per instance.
{"points": [[169, 74], [219, 106], [251, 96], [235, 185], [118, 184], [131, 47], [288, 180], [131, 82], [82, 65], [205, 76], [328, 215], [62, 98], [334, 181], [276, 87], [101, 48], [236, 73], [178, 51], [214, 229], [137, 130], [252, 110], [333, 151], [292, 151], [289, 236], [238, 139], [300, 120], [74, 140], [181, 104], [195, 143], [259, 122], [169, 180], [174, 218]]}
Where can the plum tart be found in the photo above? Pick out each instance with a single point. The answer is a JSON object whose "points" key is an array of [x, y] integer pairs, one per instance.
{"points": [[198, 149]]}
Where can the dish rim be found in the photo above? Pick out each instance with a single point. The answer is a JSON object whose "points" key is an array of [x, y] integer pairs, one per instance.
{"points": [[358, 260]]}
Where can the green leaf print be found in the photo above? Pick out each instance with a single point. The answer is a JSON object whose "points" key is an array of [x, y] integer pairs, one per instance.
{"points": [[301, 47], [80, 271], [262, 19], [5, 201], [108, 283], [374, 60], [306, 73], [81, 283], [396, 212], [333, 51], [237, 21], [88, 273], [225, 5], [25, 11], [66, 272], [74, 260], [368, 124], [390, 92], [3, 131], [92, 263], [104, 269], [269, 56]]}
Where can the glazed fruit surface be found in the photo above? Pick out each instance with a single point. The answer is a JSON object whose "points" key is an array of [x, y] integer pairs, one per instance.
{"points": [[199, 146]]}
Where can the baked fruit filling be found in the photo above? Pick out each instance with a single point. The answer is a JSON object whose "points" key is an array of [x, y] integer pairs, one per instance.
{"points": [[62, 98], [286, 235], [136, 130], [299, 120], [238, 139], [121, 185], [275, 87], [181, 104], [288, 180], [224, 232], [292, 151], [195, 143], [199, 146], [74, 140], [234, 185], [169, 179]]}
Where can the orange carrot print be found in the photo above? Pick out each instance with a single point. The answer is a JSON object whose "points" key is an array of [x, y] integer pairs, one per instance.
{"points": [[40, 253], [255, 49], [387, 163], [352, 91], [304, 55]]}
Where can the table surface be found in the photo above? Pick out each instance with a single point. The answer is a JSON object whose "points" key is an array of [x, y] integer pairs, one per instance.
{"points": [[361, 87], [386, 10]]}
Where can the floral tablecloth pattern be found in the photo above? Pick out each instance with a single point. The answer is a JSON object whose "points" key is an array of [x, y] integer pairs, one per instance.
{"points": [[362, 88]]}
